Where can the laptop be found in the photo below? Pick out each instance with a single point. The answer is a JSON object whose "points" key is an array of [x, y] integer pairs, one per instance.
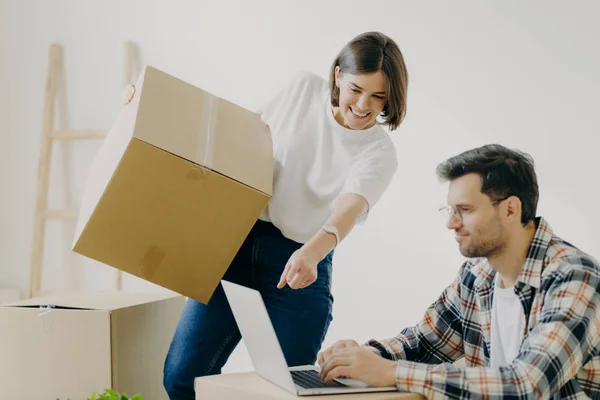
{"points": [[267, 357]]}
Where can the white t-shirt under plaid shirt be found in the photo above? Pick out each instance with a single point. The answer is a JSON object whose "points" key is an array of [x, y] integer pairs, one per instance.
{"points": [[317, 160], [507, 332], [559, 356]]}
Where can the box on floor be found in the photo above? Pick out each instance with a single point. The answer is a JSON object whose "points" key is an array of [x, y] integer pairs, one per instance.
{"points": [[72, 345]]}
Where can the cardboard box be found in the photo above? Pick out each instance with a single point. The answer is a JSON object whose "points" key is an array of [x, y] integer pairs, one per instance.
{"points": [[250, 386], [176, 187], [87, 343]]}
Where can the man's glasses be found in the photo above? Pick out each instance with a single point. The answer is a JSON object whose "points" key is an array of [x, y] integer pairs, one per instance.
{"points": [[452, 212]]}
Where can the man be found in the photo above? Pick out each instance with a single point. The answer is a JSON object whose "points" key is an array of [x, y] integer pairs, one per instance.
{"points": [[524, 311]]}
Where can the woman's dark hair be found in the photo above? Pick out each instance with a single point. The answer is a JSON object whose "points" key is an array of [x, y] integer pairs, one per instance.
{"points": [[368, 53]]}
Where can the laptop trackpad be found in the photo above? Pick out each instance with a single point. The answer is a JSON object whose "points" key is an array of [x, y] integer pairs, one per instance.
{"points": [[352, 382]]}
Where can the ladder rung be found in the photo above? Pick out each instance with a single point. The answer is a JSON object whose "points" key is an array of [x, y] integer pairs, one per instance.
{"points": [[61, 214], [78, 134]]}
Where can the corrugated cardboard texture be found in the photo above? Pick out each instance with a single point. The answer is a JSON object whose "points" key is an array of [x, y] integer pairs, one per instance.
{"points": [[49, 356], [168, 221], [141, 337], [176, 116], [250, 386], [176, 187], [117, 340]]}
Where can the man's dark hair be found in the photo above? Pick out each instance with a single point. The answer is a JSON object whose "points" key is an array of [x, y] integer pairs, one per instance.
{"points": [[504, 173]]}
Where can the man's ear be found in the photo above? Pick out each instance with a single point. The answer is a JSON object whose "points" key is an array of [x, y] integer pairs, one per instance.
{"points": [[514, 208]]}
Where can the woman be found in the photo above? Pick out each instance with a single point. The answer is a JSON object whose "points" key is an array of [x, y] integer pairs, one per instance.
{"points": [[333, 161]]}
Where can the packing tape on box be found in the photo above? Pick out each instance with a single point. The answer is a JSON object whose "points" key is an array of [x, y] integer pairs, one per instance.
{"points": [[204, 150], [151, 261], [47, 307], [45, 324]]}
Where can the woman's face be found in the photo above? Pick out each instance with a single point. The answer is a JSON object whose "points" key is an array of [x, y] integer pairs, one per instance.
{"points": [[362, 98]]}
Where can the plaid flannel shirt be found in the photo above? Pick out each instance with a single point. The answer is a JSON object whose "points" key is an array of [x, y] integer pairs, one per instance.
{"points": [[559, 289]]}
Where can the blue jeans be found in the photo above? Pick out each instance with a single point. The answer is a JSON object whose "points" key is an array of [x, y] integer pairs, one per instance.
{"points": [[207, 334]]}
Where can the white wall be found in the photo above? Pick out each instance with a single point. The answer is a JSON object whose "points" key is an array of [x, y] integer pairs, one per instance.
{"points": [[520, 74]]}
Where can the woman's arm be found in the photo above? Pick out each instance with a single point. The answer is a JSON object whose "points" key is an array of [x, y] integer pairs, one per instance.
{"points": [[301, 269]]}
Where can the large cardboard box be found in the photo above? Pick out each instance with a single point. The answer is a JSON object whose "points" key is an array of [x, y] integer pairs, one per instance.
{"points": [[250, 386], [176, 187], [85, 344]]}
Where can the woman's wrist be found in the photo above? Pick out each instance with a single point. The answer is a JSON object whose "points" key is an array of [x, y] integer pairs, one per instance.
{"points": [[320, 244]]}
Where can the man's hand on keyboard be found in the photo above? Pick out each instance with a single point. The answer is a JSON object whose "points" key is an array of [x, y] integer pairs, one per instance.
{"points": [[347, 359]]}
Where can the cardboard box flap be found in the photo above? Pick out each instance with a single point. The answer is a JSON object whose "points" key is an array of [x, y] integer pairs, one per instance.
{"points": [[189, 122], [106, 301], [48, 306]]}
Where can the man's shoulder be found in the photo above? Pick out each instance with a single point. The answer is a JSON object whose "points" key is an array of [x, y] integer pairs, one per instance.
{"points": [[562, 257]]}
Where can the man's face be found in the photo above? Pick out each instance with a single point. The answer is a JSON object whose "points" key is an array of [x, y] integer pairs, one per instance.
{"points": [[479, 226]]}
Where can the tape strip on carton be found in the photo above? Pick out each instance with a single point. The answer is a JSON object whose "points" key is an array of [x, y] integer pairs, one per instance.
{"points": [[205, 149]]}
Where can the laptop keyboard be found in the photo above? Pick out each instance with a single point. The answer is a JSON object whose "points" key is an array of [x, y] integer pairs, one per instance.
{"points": [[309, 379]]}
